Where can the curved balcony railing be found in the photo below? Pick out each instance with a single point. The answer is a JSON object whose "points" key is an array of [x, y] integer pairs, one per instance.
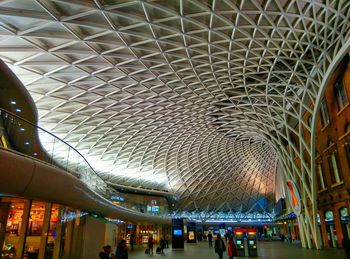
{"points": [[24, 137]]}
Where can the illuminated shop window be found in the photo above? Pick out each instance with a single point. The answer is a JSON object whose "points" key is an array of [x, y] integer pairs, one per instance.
{"points": [[341, 94], [333, 164], [14, 209], [34, 229], [320, 175], [324, 113]]}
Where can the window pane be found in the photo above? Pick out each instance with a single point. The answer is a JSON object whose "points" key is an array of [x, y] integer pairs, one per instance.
{"points": [[340, 93], [324, 113], [320, 174], [335, 168], [35, 227], [14, 210], [347, 152]]}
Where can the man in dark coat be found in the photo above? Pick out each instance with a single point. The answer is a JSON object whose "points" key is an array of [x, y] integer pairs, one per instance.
{"points": [[210, 239], [219, 246]]}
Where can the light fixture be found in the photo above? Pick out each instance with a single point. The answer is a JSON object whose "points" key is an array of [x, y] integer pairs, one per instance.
{"points": [[34, 154], [26, 143], [13, 102], [18, 110], [21, 129]]}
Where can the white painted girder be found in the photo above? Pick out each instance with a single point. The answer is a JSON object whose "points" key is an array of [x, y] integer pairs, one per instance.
{"points": [[189, 96]]}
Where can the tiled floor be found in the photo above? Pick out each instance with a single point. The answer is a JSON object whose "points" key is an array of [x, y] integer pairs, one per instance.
{"points": [[268, 250]]}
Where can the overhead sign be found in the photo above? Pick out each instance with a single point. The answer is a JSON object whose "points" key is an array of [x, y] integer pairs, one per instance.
{"points": [[294, 197]]}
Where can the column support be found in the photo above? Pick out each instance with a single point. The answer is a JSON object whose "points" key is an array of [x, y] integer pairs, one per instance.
{"points": [[24, 229], [45, 230]]}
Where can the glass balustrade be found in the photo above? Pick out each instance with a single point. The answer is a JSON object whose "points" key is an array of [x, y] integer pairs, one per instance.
{"points": [[26, 138]]}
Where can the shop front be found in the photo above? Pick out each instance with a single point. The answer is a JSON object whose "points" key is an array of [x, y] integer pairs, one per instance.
{"points": [[34, 229]]}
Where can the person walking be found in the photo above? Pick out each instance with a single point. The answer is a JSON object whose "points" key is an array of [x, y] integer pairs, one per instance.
{"points": [[210, 239], [150, 244], [162, 245], [231, 248], [104, 254], [219, 246], [166, 239], [122, 250], [132, 241]]}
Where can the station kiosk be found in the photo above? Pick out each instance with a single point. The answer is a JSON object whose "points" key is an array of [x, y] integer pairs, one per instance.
{"points": [[252, 243], [239, 238]]}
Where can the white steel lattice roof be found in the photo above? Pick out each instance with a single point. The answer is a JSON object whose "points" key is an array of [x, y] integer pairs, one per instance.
{"points": [[193, 97]]}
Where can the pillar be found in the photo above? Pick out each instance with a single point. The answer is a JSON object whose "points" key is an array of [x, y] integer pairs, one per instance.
{"points": [[324, 230], [24, 229], [57, 246], [302, 231], [68, 238], [338, 227], [46, 225]]}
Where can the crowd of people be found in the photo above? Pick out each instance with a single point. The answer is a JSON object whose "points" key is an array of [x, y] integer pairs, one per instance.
{"points": [[122, 249], [219, 246]]}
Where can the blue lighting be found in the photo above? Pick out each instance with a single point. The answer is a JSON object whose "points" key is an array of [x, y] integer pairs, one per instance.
{"points": [[13, 102], [21, 129], [26, 143], [117, 198], [18, 110]]}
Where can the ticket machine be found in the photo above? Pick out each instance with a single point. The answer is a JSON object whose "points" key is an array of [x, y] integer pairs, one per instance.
{"points": [[239, 238], [252, 243]]}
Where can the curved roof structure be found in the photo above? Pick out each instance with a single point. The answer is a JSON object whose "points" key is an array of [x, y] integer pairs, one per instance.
{"points": [[195, 97]]}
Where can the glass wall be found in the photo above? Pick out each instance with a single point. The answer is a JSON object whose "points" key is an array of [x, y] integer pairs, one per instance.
{"points": [[35, 229], [12, 214], [143, 203]]}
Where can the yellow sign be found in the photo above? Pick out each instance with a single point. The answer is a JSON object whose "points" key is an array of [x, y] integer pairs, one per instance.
{"points": [[191, 235], [3, 141]]}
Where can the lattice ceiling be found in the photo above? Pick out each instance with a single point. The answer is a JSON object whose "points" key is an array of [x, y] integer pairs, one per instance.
{"points": [[186, 96]]}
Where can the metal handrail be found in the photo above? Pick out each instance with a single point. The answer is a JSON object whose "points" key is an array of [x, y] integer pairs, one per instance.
{"points": [[38, 151], [54, 136]]}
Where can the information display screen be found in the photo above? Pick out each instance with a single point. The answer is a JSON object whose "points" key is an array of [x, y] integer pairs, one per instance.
{"points": [[239, 242], [155, 209], [177, 232], [222, 232], [251, 242]]}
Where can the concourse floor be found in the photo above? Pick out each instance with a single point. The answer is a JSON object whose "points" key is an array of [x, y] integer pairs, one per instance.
{"points": [[268, 250]]}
